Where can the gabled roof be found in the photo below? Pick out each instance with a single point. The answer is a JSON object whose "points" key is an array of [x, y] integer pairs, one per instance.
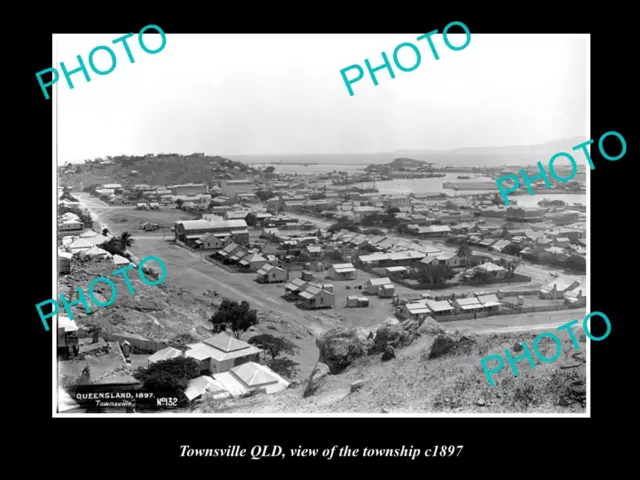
{"points": [[165, 354], [229, 249]]}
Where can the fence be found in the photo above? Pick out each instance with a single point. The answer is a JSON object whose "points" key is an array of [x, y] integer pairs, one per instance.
{"points": [[513, 309], [142, 345], [524, 293]]}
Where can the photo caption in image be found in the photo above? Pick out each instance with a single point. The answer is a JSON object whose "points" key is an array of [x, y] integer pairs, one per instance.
{"points": [[258, 452]]}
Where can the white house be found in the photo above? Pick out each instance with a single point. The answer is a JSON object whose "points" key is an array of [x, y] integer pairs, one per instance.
{"points": [[222, 352], [342, 271], [374, 285]]}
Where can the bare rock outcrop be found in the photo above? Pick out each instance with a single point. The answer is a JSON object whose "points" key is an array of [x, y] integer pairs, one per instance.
{"points": [[430, 327], [389, 354], [391, 336], [340, 346], [456, 344]]}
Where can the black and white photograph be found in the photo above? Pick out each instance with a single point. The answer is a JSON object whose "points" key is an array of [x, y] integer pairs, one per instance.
{"points": [[321, 224]]}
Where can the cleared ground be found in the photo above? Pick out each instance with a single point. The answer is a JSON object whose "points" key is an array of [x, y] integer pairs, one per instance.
{"points": [[127, 219]]}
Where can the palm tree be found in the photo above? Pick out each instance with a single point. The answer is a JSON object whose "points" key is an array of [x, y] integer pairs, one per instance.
{"points": [[126, 240]]}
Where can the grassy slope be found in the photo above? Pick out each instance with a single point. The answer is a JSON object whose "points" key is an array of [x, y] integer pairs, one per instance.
{"points": [[411, 383], [170, 170]]}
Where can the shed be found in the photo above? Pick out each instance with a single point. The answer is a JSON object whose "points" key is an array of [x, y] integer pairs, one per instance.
{"points": [[307, 276], [386, 291], [363, 302], [373, 285], [352, 301]]}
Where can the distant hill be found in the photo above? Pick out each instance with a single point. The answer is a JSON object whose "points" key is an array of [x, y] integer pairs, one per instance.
{"points": [[519, 155], [162, 169], [493, 156]]}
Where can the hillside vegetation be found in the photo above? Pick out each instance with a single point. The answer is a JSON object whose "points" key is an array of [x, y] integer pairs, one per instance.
{"points": [[162, 169], [454, 382]]}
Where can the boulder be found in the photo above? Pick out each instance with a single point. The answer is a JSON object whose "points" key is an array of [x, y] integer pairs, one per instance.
{"points": [[316, 379], [357, 385], [430, 327], [390, 335], [410, 325], [457, 344], [340, 346], [389, 354]]}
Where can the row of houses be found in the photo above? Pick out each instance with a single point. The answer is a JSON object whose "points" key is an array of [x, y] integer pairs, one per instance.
{"points": [[419, 310]]}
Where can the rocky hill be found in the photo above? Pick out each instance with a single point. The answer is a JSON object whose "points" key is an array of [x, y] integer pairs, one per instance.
{"points": [[167, 313], [161, 169], [399, 164], [428, 371]]}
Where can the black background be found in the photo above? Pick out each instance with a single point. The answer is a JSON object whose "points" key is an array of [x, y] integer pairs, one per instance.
{"points": [[88, 447]]}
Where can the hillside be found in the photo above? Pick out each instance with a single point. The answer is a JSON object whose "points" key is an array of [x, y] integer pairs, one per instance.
{"points": [[162, 169], [166, 313], [453, 382]]}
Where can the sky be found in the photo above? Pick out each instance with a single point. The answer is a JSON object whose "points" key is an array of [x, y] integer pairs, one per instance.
{"points": [[284, 94]]}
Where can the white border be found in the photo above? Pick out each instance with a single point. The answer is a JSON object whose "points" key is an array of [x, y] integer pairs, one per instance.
{"points": [[54, 362]]}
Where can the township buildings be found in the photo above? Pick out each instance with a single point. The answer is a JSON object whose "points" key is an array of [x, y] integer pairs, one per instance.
{"points": [[190, 231]]}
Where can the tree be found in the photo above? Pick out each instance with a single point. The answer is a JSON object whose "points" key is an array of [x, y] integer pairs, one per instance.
{"points": [[404, 229], [113, 246], [251, 219], [435, 274], [283, 366], [270, 169], [85, 377], [335, 255], [482, 276], [237, 317], [265, 195], [105, 232], [274, 345], [464, 251], [126, 240], [343, 225], [512, 249], [576, 262], [118, 245], [168, 375], [179, 203], [392, 210]]}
